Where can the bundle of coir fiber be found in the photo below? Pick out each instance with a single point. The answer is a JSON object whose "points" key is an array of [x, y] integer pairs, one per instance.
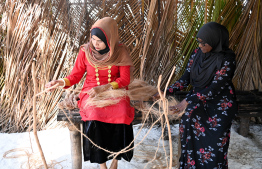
{"points": [[70, 100], [139, 92], [151, 112], [106, 98]]}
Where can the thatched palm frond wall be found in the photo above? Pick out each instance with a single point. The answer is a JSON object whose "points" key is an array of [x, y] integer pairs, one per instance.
{"points": [[159, 33], [1, 54], [32, 36], [49, 34], [2, 78], [246, 39]]}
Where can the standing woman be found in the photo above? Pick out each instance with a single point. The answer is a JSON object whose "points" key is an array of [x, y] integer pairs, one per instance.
{"points": [[211, 104], [108, 66]]}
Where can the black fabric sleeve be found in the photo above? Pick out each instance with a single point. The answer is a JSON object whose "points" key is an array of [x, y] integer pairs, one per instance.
{"points": [[184, 81], [222, 78]]}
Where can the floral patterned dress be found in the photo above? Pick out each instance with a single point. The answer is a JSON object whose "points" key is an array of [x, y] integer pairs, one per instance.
{"points": [[205, 126]]}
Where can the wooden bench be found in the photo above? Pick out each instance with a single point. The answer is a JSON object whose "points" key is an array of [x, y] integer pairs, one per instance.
{"points": [[249, 105]]}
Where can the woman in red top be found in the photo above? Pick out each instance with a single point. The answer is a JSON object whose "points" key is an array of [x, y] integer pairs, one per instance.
{"points": [[107, 65]]}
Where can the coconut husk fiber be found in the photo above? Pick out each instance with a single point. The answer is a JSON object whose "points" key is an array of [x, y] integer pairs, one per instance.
{"points": [[140, 94], [156, 110], [70, 100], [106, 98], [139, 91]]}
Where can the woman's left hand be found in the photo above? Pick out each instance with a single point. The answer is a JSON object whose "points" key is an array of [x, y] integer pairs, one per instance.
{"points": [[96, 90], [179, 107]]}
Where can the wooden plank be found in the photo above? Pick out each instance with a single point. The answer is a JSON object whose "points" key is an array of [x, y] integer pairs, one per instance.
{"points": [[73, 115], [244, 111], [255, 110], [250, 114], [250, 105]]}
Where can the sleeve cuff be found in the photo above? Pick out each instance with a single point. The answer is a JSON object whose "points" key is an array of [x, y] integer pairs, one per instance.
{"points": [[63, 82], [114, 85], [67, 82]]}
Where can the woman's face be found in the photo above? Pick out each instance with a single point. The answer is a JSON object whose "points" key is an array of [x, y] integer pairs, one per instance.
{"points": [[205, 48], [98, 43]]}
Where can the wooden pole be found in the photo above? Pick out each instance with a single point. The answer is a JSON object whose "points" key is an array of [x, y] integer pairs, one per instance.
{"points": [[76, 153], [244, 126], [34, 116], [166, 106]]}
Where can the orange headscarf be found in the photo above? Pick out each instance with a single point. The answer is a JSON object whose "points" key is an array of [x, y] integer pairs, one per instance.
{"points": [[118, 54]]}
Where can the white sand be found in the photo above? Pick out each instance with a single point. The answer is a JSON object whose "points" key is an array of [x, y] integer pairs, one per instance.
{"points": [[244, 153]]}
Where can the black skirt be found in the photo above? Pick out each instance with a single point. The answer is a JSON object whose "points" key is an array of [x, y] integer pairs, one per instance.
{"points": [[112, 137]]}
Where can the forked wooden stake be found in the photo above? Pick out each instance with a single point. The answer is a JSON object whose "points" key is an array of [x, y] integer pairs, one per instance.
{"points": [[165, 108], [34, 117]]}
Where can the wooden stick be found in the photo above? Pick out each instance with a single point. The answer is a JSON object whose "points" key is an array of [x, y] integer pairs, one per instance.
{"points": [[34, 117], [165, 107], [46, 90]]}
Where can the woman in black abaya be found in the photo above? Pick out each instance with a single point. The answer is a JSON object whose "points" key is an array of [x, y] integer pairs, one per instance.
{"points": [[211, 104]]}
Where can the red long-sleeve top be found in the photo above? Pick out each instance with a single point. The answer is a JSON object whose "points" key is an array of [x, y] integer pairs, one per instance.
{"points": [[119, 113]]}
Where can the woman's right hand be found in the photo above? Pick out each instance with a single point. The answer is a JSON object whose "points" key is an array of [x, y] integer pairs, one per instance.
{"points": [[179, 107], [98, 89], [53, 83], [157, 96]]}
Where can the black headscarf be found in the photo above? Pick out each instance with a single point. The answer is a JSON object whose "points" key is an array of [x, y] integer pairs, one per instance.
{"points": [[99, 33], [206, 64]]}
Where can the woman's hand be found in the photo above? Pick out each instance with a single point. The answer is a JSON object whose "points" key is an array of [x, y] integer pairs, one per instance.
{"points": [[179, 107], [96, 90], [157, 96], [53, 83]]}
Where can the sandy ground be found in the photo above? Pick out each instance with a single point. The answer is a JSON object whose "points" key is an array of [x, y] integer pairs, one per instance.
{"points": [[152, 152]]}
